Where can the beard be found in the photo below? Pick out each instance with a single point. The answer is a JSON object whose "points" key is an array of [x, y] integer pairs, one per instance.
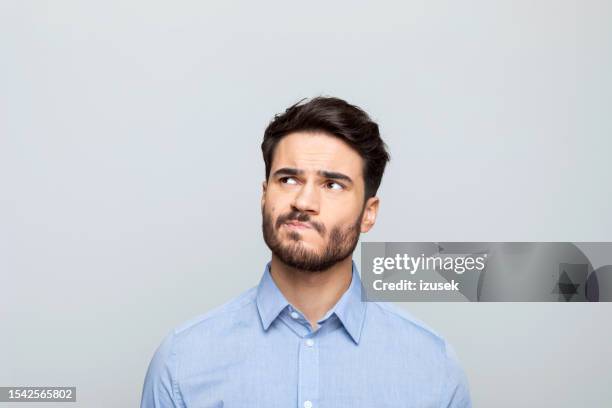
{"points": [[341, 242]]}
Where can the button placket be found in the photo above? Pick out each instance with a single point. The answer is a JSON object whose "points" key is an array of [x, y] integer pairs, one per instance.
{"points": [[308, 383]]}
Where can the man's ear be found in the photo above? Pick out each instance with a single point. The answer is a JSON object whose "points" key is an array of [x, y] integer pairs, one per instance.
{"points": [[370, 212], [264, 186]]}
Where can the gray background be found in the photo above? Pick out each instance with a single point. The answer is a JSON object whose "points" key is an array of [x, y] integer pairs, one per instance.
{"points": [[130, 170]]}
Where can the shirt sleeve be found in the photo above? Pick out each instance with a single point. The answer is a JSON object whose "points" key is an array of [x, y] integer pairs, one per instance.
{"points": [[455, 388], [160, 388]]}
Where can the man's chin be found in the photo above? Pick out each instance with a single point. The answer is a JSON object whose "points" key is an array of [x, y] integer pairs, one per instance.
{"points": [[295, 234], [301, 247]]}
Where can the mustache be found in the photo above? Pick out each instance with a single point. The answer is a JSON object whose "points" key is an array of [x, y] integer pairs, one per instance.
{"points": [[301, 217]]}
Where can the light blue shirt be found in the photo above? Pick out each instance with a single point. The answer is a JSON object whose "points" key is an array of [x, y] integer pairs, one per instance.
{"points": [[259, 351]]}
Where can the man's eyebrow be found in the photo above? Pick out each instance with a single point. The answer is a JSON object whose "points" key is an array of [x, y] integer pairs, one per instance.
{"points": [[287, 171], [334, 175]]}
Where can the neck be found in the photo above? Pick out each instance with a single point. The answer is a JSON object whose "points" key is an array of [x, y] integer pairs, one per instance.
{"points": [[313, 293]]}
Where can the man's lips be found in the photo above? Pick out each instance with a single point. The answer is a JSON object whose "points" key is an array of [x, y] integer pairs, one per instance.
{"points": [[297, 224]]}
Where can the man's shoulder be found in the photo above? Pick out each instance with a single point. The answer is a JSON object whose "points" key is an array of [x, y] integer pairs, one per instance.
{"points": [[416, 341], [219, 318], [403, 324]]}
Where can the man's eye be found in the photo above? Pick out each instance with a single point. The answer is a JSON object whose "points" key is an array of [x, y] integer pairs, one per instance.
{"points": [[288, 180], [332, 185]]}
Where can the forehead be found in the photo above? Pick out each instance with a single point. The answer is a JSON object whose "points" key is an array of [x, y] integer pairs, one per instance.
{"points": [[313, 151]]}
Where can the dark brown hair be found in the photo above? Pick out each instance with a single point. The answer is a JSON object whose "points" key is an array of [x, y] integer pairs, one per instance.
{"points": [[338, 118]]}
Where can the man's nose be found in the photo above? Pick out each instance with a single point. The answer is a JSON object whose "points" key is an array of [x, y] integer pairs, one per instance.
{"points": [[306, 199]]}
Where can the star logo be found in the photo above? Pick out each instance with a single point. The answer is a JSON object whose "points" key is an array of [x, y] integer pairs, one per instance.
{"points": [[565, 287]]}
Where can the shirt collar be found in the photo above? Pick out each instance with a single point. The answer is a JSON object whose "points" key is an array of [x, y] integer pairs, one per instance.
{"points": [[270, 300], [350, 309]]}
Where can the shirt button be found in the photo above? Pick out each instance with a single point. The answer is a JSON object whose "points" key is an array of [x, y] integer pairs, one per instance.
{"points": [[307, 404], [295, 315], [309, 343]]}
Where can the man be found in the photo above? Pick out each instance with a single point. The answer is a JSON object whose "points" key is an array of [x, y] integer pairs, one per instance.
{"points": [[303, 337]]}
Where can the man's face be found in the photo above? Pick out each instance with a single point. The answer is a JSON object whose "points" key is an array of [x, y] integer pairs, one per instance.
{"points": [[313, 201]]}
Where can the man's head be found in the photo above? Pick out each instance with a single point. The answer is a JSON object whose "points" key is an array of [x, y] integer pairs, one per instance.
{"points": [[324, 163]]}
